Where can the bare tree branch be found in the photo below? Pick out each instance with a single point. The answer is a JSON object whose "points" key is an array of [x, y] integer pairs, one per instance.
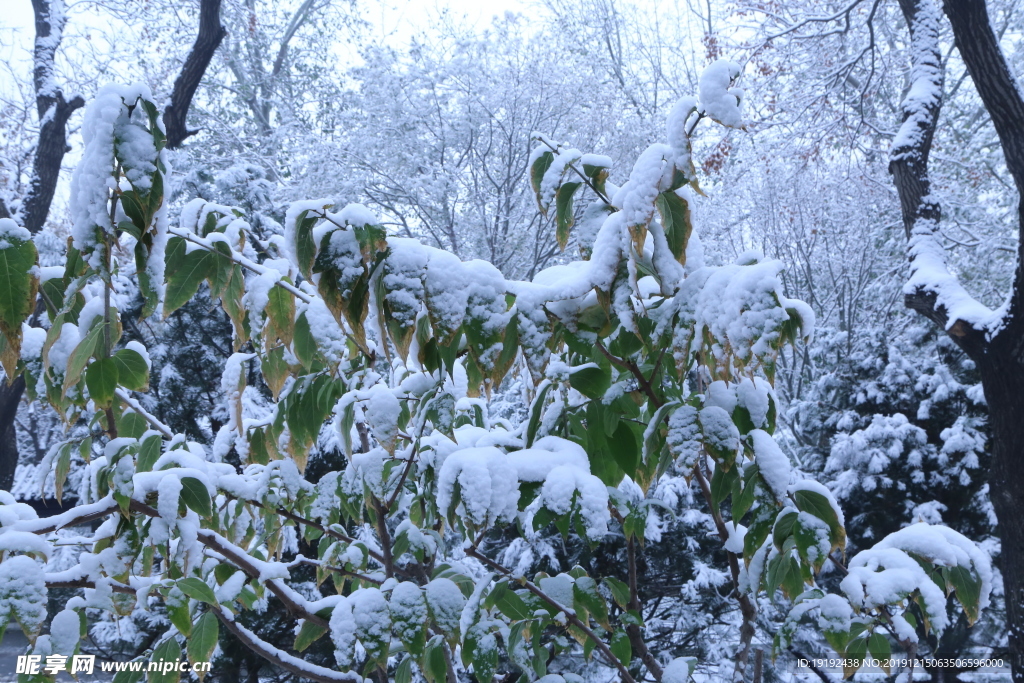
{"points": [[53, 110], [211, 34]]}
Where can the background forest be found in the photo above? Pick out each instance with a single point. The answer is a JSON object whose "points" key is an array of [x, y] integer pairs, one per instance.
{"points": [[432, 129]]}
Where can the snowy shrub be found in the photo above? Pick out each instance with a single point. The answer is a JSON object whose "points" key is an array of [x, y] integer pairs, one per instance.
{"points": [[638, 362]]}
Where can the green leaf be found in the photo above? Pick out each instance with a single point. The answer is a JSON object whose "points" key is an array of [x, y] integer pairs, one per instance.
{"points": [[774, 575], [619, 589], [564, 218], [101, 379], [741, 503], [133, 209], [722, 481], [131, 424], [80, 357], [783, 528], [856, 651], [150, 295], [131, 676], [878, 646], [196, 496], [197, 590], [597, 174], [184, 273], [591, 382], [303, 343], [620, 647], [586, 595], [18, 287], [434, 666], [169, 652], [754, 539], [791, 577], [149, 453], [280, 316], [308, 634], [403, 674], [540, 166], [132, 371], [62, 469], [203, 640], [625, 448], [275, 370], [819, 506], [677, 221], [512, 606], [536, 411], [968, 590]]}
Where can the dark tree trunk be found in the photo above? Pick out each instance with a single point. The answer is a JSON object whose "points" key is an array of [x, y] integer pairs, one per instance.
{"points": [[1002, 362], [211, 33], [1002, 373], [997, 350], [10, 399], [54, 112]]}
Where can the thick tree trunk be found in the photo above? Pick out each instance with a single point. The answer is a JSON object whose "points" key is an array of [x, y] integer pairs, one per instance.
{"points": [[1002, 372], [54, 112], [210, 36], [996, 345], [1002, 363], [10, 399]]}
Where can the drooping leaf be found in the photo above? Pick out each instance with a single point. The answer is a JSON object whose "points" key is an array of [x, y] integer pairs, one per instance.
{"points": [[196, 497], [132, 370], [197, 590], [18, 286], [677, 221], [203, 640], [564, 218], [101, 380], [169, 652]]}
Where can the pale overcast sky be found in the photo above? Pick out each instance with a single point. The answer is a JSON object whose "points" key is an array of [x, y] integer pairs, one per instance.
{"points": [[396, 19]]}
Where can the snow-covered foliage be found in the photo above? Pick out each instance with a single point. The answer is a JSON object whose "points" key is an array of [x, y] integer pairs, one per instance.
{"points": [[644, 369]]}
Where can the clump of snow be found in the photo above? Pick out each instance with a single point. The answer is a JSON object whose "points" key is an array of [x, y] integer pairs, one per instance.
{"points": [[536, 463], [371, 615], [565, 483], [734, 544], [357, 216], [343, 633], [382, 411], [684, 437], [772, 463], [446, 602], [22, 592], [756, 396], [488, 484], [408, 609], [11, 230], [718, 99], [720, 432], [679, 670], [32, 341], [887, 573], [65, 631]]}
